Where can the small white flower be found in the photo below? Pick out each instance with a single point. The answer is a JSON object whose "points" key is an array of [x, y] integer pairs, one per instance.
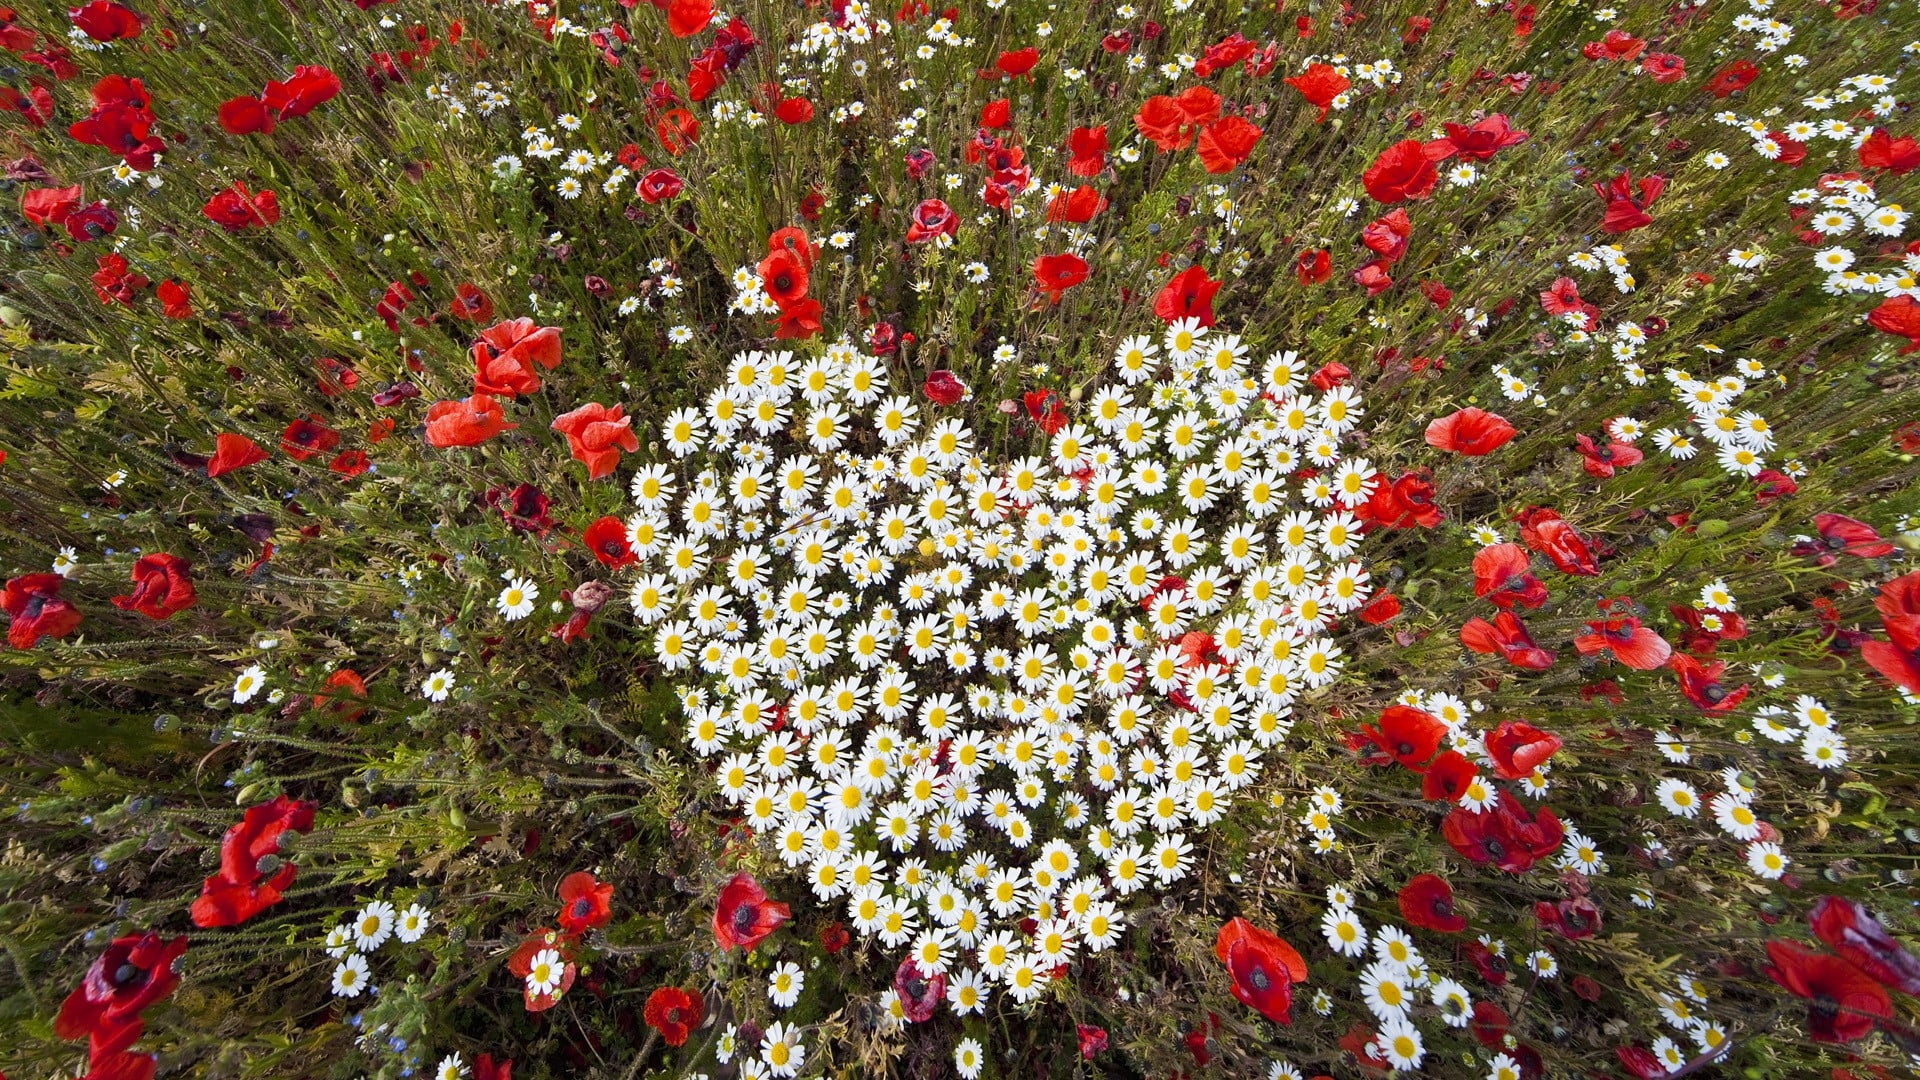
{"points": [[350, 977], [248, 684], [437, 685], [412, 924]]}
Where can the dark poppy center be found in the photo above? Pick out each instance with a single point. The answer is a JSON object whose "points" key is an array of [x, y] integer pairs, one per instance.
{"points": [[582, 907], [1714, 693], [1495, 849], [1259, 979], [128, 975], [743, 918], [1404, 748], [1620, 633], [35, 604]]}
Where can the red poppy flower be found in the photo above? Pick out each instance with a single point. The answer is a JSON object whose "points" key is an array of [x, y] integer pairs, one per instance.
{"points": [[1161, 119], [465, 423], [1898, 660], [1616, 45], [1771, 484], [1517, 749], [1575, 919], [1055, 274], [658, 185], [134, 972], [932, 218], [1404, 504], [1387, 235], [50, 206], [470, 303], [1640, 1061], [114, 281], [1508, 637], [919, 993], [686, 18], [996, 114], [1476, 142], [1447, 777], [783, 277], [1045, 410], [1732, 78], [1313, 266], [245, 115], [343, 695], [1625, 640], [161, 587], [1320, 83], [1093, 1040], [595, 435], [309, 87], [1077, 206], [1426, 901], [1626, 203], [1382, 608], [585, 903], [1170, 121], [1017, 62], [1899, 316], [1226, 144], [1402, 171], [1503, 576], [793, 110], [232, 452], [1188, 296], [1503, 835], [1263, 968], [35, 106], [104, 20], [252, 874], [121, 121], [176, 301], [303, 438], [943, 387], [1200, 104], [1880, 150], [1843, 1002], [1663, 67], [1470, 431], [1842, 535], [1404, 734], [793, 241], [507, 355], [1087, 150], [607, 539], [1546, 533], [1373, 277], [799, 319], [1601, 461], [1849, 929], [673, 1013], [1701, 684], [235, 208], [744, 916], [485, 1068]]}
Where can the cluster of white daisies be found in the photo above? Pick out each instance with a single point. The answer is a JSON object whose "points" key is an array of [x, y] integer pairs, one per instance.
{"points": [[352, 942], [908, 662]]}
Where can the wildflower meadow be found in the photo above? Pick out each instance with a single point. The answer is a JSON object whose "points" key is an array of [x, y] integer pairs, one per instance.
{"points": [[1178, 539]]}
